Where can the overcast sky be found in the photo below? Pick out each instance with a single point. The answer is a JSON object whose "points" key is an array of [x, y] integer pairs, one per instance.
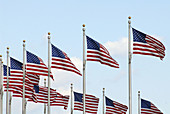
{"points": [[107, 22]]}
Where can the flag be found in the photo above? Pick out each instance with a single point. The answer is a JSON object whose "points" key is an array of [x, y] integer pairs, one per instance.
{"points": [[61, 100], [148, 108], [147, 45], [91, 103], [16, 79], [33, 79], [18, 91], [97, 52], [60, 60], [41, 94], [113, 107], [5, 75], [35, 65], [16, 73]]}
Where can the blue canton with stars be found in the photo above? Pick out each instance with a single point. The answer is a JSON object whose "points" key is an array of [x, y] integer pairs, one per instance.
{"points": [[15, 64], [78, 97], [145, 104], [36, 88], [109, 102], [5, 70], [92, 44], [57, 52], [138, 36], [31, 58]]}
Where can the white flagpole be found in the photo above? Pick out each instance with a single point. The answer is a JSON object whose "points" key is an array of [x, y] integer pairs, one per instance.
{"points": [[1, 85], [45, 103], [84, 66], [49, 44], [139, 102], [7, 95], [23, 97], [129, 63], [71, 98], [10, 102], [103, 100]]}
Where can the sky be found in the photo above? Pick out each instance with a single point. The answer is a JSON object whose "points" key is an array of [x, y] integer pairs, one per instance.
{"points": [[106, 22]]}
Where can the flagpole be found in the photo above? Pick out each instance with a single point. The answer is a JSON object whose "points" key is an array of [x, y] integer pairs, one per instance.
{"points": [[49, 43], [103, 100], [10, 102], [1, 85], [129, 64], [71, 98], [84, 66], [139, 102], [23, 97], [7, 93], [45, 103]]}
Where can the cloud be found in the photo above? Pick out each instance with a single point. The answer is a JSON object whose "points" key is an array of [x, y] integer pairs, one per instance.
{"points": [[118, 48], [160, 38]]}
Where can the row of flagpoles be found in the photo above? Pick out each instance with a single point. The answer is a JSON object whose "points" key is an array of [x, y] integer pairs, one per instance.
{"points": [[143, 44]]}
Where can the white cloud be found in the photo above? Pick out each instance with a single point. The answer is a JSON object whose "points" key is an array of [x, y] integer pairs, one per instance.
{"points": [[160, 38], [118, 48]]}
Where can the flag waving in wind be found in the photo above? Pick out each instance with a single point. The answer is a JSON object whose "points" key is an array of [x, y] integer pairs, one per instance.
{"points": [[91, 103], [147, 45], [41, 94], [148, 108], [5, 76], [36, 66], [60, 60], [61, 100], [97, 52], [113, 107]]}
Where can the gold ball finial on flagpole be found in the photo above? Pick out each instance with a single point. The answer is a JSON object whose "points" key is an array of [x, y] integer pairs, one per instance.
{"points": [[129, 21], [49, 33], [84, 25], [24, 41], [0, 55], [7, 48]]}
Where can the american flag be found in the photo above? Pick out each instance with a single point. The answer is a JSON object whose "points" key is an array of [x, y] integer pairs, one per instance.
{"points": [[147, 45], [18, 91], [16, 73], [33, 80], [60, 60], [113, 107], [61, 100], [16, 79], [97, 52], [35, 65], [148, 108], [41, 94], [5, 76], [91, 103]]}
